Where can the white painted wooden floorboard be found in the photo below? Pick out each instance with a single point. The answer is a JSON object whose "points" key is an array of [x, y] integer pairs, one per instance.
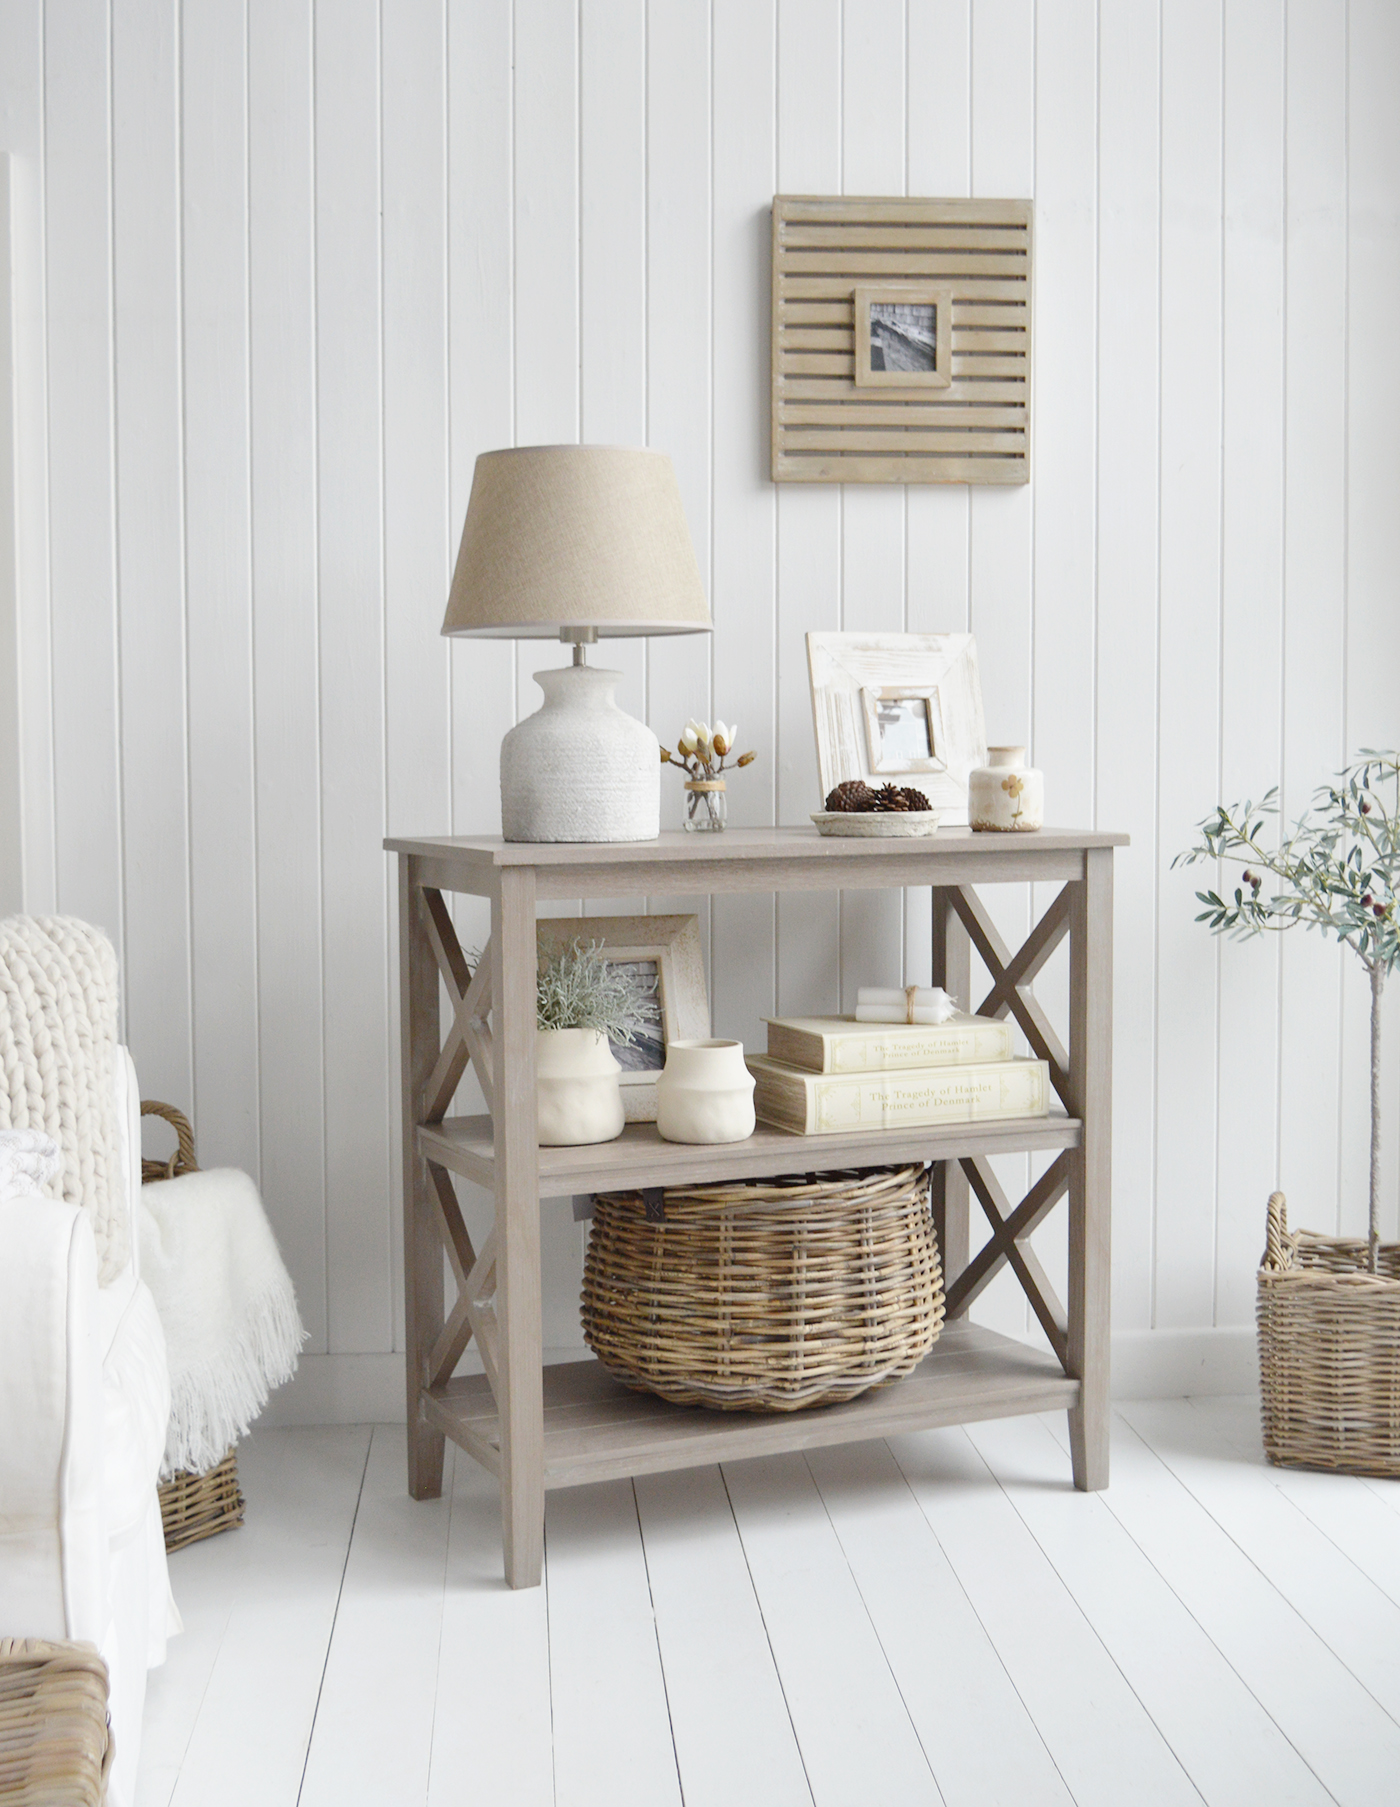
{"points": [[199, 1576], [1345, 1738], [813, 1637], [241, 1714], [493, 1722], [1230, 1748], [1353, 1617], [733, 1736], [373, 1734], [1238, 1418], [952, 1679], [612, 1735], [1340, 1505], [853, 1725], [1095, 1727]]}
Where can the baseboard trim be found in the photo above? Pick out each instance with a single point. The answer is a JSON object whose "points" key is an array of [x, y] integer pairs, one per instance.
{"points": [[1176, 1364], [1147, 1364]]}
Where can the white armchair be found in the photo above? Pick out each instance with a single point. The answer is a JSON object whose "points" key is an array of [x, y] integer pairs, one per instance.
{"points": [[84, 1400]]}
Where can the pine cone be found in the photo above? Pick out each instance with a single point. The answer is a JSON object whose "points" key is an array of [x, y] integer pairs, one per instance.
{"points": [[854, 795]]}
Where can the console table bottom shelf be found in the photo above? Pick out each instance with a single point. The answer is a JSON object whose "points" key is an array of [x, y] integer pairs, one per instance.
{"points": [[598, 1430]]}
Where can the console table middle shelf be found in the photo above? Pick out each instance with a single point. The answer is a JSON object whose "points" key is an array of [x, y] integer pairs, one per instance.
{"points": [[639, 1157]]}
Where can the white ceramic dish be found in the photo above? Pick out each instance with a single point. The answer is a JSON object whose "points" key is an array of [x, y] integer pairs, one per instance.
{"points": [[876, 823]]}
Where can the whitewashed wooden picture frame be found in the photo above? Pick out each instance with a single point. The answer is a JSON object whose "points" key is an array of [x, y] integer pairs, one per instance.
{"points": [[668, 949], [900, 709]]}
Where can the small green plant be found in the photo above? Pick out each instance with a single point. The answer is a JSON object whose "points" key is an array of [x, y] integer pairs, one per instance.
{"points": [[1337, 871], [580, 988]]}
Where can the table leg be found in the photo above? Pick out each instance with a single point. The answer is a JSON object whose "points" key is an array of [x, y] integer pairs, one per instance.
{"points": [[952, 969], [520, 1393], [422, 1245], [1090, 1201]]}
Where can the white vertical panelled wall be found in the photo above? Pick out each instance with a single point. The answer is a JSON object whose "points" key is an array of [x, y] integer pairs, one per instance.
{"points": [[281, 269]]}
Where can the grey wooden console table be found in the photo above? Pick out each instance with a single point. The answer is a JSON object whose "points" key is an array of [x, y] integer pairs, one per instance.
{"points": [[536, 1428]]}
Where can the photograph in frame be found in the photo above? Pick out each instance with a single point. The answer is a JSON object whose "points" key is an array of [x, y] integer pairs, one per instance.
{"points": [[903, 335]]}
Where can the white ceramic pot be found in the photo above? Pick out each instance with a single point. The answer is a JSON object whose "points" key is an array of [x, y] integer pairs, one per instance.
{"points": [[705, 1093], [580, 768], [576, 1088], [1006, 793]]}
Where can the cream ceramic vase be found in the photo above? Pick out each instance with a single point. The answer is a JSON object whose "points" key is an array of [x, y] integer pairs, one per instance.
{"points": [[705, 1093], [576, 1088], [1006, 793]]}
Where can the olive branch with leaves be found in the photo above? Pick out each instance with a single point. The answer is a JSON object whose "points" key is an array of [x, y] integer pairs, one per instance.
{"points": [[1337, 871]]}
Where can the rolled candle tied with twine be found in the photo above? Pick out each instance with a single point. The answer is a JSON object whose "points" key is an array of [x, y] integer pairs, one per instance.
{"points": [[907, 1004]]}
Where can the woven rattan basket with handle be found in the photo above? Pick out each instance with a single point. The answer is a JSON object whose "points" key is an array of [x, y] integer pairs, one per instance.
{"points": [[192, 1506], [55, 1741], [765, 1297], [1329, 1351]]}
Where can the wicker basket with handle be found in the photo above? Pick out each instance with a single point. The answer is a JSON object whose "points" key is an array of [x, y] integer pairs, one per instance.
{"points": [[1329, 1351], [192, 1506], [765, 1297], [55, 1740]]}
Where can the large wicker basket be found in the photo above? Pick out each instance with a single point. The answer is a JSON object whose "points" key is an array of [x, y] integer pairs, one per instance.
{"points": [[765, 1297], [1329, 1351], [192, 1506], [55, 1742]]}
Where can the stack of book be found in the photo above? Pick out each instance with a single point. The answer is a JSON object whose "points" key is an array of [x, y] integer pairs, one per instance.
{"points": [[822, 1075]]}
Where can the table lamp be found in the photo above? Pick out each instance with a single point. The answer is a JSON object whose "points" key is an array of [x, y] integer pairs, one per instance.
{"points": [[582, 542]]}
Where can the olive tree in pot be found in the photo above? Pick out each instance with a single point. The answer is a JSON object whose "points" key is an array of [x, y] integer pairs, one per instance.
{"points": [[1338, 871]]}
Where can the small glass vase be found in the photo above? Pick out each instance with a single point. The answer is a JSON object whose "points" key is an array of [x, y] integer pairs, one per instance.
{"points": [[705, 805]]}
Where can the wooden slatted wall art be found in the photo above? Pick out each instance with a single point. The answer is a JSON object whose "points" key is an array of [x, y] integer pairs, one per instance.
{"points": [[965, 419]]}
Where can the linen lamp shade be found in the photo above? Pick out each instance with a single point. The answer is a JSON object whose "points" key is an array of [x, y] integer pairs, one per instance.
{"points": [[567, 536]]}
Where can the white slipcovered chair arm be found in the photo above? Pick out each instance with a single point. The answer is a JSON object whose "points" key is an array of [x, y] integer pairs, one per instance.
{"points": [[53, 1554]]}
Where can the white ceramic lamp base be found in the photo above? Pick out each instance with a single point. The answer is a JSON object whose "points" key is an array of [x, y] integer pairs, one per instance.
{"points": [[580, 769]]}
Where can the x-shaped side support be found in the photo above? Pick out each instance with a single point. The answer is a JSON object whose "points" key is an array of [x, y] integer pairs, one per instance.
{"points": [[469, 1038], [1008, 1243], [1012, 976], [475, 1275]]}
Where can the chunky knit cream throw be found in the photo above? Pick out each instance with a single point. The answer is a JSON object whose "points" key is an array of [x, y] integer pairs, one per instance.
{"points": [[58, 1043]]}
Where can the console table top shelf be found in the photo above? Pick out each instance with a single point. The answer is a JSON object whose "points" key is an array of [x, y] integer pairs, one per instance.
{"points": [[750, 859]]}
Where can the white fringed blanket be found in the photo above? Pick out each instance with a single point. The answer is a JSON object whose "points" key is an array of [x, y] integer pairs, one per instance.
{"points": [[226, 1304]]}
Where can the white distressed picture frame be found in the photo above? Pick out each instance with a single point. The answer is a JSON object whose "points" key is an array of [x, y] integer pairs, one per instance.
{"points": [[852, 673], [673, 942]]}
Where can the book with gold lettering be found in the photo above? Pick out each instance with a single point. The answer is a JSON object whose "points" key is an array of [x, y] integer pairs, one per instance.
{"points": [[839, 1044], [816, 1104]]}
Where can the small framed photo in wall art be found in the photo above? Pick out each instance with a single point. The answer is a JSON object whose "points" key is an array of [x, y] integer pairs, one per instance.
{"points": [[904, 336], [664, 954]]}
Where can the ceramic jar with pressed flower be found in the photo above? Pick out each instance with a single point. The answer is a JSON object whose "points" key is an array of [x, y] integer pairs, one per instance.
{"points": [[705, 1093], [1006, 794]]}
